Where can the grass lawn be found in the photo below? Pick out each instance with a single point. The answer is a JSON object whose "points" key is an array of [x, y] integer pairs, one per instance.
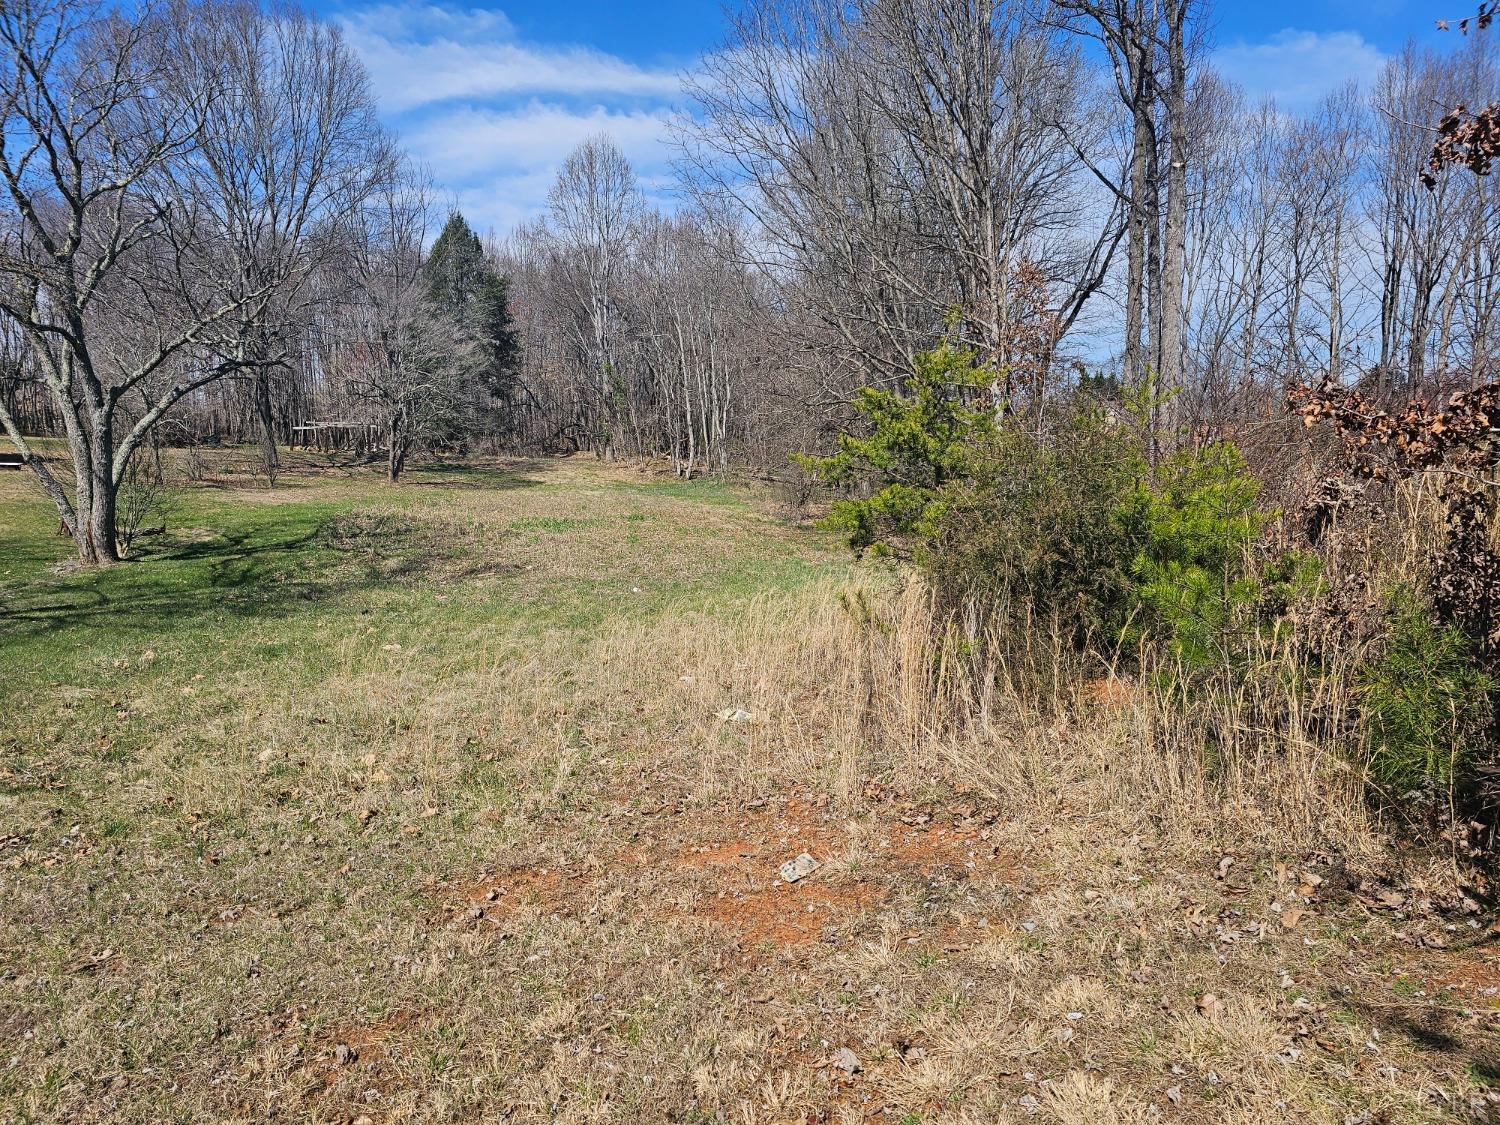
{"points": [[348, 802]]}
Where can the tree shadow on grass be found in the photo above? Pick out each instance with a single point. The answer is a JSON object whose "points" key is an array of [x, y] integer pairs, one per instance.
{"points": [[459, 475], [1451, 1037], [427, 477], [276, 563], [267, 570], [1444, 1029]]}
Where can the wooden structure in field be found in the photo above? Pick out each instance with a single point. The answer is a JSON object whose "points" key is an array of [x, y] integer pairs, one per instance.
{"points": [[10, 460], [337, 437]]}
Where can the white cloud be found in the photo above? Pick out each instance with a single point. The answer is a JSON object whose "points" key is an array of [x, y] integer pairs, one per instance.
{"points": [[470, 139], [493, 116], [500, 164], [1298, 68], [416, 22], [503, 202], [419, 54]]}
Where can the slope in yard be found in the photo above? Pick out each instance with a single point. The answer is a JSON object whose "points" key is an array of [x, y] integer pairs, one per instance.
{"points": [[466, 801]]}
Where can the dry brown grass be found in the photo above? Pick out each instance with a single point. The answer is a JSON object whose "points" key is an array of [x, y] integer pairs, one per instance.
{"points": [[519, 868]]}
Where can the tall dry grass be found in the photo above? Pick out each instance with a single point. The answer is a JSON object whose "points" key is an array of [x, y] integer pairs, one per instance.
{"points": [[847, 683], [1019, 713]]}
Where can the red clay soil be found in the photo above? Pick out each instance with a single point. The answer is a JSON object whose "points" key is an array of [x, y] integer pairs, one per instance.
{"points": [[927, 848], [498, 896], [1470, 975], [324, 1063], [788, 915], [741, 891], [733, 882]]}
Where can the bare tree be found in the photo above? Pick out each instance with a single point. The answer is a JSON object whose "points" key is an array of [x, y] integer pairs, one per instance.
{"points": [[284, 158], [393, 352], [976, 90], [83, 134], [556, 390], [1150, 45], [592, 209], [791, 130], [1436, 248], [700, 326], [908, 164], [158, 206]]}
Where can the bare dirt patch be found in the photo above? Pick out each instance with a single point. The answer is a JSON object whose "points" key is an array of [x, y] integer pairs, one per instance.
{"points": [[1109, 692], [503, 895], [793, 826], [732, 881], [782, 915], [930, 848], [1470, 976], [360, 1045]]}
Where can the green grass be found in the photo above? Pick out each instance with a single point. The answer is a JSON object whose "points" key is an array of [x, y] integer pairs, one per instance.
{"points": [[193, 729], [228, 568], [246, 599]]}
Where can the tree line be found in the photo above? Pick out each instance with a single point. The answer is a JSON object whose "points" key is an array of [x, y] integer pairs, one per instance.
{"points": [[643, 333], [209, 236], [1067, 188]]}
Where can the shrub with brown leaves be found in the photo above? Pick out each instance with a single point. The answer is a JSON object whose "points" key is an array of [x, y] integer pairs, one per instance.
{"points": [[1470, 140], [1379, 444]]}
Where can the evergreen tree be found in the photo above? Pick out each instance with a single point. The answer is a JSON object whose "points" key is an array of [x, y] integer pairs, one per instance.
{"points": [[490, 324], [465, 289], [455, 268]]}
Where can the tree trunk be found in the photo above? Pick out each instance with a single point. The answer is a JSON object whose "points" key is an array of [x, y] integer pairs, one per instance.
{"points": [[269, 461], [396, 453], [94, 521], [1174, 234], [102, 548], [1135, 275]]}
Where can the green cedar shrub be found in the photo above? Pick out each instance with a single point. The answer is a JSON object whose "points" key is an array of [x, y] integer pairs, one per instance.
{"points": [[1036, 529], [919, 441], [1428, 703], [1071, 524], [1197, 522]]}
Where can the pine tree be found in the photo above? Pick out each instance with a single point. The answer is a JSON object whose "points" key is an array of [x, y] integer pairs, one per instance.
{"points": [[455, 268], [499, 346], [463, 288]]}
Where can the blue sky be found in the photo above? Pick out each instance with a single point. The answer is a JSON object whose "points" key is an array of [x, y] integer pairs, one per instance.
{"points": [[492, 97]]}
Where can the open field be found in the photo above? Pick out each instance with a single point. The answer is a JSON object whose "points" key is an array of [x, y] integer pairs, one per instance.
{"points": [[359, 803]]}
